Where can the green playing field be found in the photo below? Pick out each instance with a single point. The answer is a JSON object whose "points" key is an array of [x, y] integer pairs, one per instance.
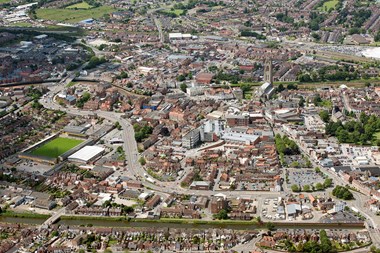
{"points": [[56, 147]]}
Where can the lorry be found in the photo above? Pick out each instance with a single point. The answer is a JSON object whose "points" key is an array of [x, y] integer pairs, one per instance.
{"points": [[151, 180]]}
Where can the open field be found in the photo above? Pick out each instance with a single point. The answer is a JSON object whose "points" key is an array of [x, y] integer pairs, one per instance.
{"points": [[56, 147], [73, 16], [176, 11], [4, 1], [82, 5], [329, 5], [22, 24]]}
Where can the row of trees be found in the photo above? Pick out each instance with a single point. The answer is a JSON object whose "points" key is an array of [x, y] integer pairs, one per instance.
{"points": [[310, 188], [256, 35]]}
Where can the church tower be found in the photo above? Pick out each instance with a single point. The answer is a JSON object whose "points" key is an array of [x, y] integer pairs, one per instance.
{"points": [[268, 71]]}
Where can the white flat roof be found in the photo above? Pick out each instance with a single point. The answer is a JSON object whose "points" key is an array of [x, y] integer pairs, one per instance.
{"points": [[87, 153], [175, 35]]}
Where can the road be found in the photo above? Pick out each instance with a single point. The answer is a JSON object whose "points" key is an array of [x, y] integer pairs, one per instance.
{"points": [[159, 28], [54, 217]]}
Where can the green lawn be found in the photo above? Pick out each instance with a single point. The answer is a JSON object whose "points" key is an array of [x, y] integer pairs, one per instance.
{"points": [[329, 5], [176, 11], [56, 147], [73, 16], [4, 1], [22, 24], [377, 135], [82, 5]]}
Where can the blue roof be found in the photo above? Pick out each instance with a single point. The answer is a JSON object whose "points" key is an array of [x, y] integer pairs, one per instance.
{"points": [[70, 98], [292, 208], [90, 20]]}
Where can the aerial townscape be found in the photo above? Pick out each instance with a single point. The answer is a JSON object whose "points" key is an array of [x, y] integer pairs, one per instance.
{"points": [[244, 126]]}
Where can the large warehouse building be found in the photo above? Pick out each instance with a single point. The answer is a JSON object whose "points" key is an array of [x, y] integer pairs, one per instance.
{"points": [[86, 154]]}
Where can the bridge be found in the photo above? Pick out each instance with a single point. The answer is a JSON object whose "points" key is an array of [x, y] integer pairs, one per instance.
{"points": [[54, 218]]}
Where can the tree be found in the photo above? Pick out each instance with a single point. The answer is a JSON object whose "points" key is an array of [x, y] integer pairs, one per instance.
{"points": [[142, 161], [295, 188], [317, 170], [295, 164], [280, 87], [342, 193], [326, 245], [222, 215], [183, 87], [117, 125], [270, 226], [325, 116], [347, 195], [128, 209], [181, 78], [306, 188], [258, 219], [122, 75], [319, 187], [301, 103], [327, 183], [245, 87]]}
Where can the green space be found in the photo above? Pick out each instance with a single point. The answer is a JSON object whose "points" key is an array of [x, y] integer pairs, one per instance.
{"points": [[56, 147], [342, 193], [82, 218], [24, 215], [177, 12], [172, 12], [72, 15], [329, 5], [82, 5], [4, 1], [360, 131], [377, 135], [22, 24]]}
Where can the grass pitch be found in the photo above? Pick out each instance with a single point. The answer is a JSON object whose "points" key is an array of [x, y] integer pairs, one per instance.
{"points": [[82, 5], [72, 15], [329, 5], [56, 147]]}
